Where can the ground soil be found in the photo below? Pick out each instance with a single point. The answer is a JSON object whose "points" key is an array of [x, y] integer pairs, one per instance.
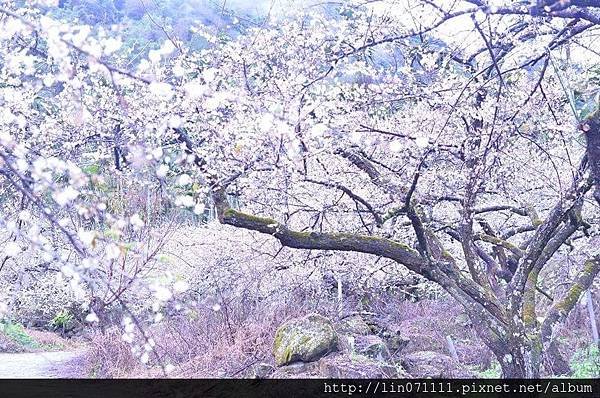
{"points": [[58, 364]]}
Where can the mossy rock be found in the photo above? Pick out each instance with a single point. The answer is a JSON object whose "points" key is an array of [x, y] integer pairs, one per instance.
{"points": [[353, 325], [304, 339], [298, 370], [343, 366], [372, 347], [262, 370], [391, 335], [430, 364]]}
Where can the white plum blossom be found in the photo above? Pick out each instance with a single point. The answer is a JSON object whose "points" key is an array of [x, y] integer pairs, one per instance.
{"points": [[181, 286], [167, 48], [12, 249], [65, 196], [112, 251], [175, 121], [154, 56], [25, 215], [162, 293], [6, 139], [209, 75], [163, 91], [199, 208], [92, 317], [87, 237], [396, 146], [3, 309], [144, 358], [157, 153], [422, 141], [318, 130], [184, 179], [178, 70], [136, 221], [162, 170], [111, 45], [266, 122], [185, 201], [194, 89]]}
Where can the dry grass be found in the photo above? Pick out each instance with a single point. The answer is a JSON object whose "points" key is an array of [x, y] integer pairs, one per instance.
{"points": [[207, 345], [108, 356], [428, 322], [212, 345], [50, 341]]}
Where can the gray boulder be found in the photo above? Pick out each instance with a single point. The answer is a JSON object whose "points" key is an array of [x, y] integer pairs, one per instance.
{"points": [[356, 367], [262, 370], [424, 364], [304, 339], [372, 347], [353, 325]]}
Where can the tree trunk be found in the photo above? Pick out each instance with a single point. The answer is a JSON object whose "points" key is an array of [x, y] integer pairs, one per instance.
{"points": [[554, 363], [521, 360], [591, 128]]}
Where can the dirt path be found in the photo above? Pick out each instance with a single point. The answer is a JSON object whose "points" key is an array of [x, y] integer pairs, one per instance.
{"points": [[59, 364]]}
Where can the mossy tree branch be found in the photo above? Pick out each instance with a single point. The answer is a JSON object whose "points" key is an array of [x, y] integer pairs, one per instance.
{"points": [[547, 231], [500, 243], [445, 273], [561, 308], [388, 248], [591, 128]]}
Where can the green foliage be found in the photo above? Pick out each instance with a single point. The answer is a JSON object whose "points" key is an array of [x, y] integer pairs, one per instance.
{"points": [[89, 11], [588, 106], [16, 333], [586, 362], [62, 320], [91, 169], [144, 25]]}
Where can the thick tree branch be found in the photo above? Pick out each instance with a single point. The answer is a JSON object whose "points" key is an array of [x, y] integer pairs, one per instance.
{"points": [[591, 128], [561, 308], [320, 241], [354, 156], [442, 272], [547, 230]]}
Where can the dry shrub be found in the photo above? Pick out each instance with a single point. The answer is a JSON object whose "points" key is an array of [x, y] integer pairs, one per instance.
{"points": [[51, 341], [230, 357], [202, 343], [211, 345], [108, 356], [42, 299], [428, 322]]}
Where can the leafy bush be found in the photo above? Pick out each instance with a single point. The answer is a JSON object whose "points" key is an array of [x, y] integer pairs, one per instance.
{"points": [[62, 321], [41, 301], [586, 362], [16, 333]]}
